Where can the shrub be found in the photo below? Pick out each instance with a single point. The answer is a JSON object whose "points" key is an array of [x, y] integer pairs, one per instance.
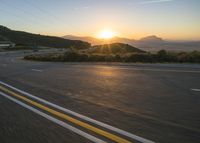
{"points": [[161, 56]]}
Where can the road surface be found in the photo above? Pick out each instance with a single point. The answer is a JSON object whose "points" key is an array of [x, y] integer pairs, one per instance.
{"points": [[93, 102]]}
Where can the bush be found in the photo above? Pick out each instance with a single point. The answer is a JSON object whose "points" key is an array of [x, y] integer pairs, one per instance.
{"points": [[74, 57], [96, 58], [161, 56]]}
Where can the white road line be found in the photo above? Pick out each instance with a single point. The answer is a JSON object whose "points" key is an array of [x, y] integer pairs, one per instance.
{"points": [[59, 122], [117, 130], [193, 89], [36, 70]]}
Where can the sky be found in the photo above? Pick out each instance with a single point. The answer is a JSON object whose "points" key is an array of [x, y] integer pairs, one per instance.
{"points": [[169, 19]]}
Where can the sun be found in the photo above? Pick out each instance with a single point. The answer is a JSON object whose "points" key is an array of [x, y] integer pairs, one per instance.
{"points": [[106, 34]]}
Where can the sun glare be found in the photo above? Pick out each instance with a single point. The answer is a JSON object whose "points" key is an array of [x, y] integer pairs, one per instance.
{"points": [[106, 34]]}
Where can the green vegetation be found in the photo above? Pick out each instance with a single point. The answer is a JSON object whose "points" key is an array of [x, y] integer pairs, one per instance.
{"points": [[159, 57], [28, 39], [115, 48]]}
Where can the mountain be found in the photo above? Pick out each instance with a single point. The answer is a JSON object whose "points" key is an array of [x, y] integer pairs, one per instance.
{"points": [[154, 43], [122, 40], [95, 41], [115, 48], [149, 43], [25, 38], [151, 39], [91, 40]]}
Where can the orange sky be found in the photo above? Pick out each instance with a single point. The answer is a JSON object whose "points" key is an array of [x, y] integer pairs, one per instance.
{"points": [[169, 19]]}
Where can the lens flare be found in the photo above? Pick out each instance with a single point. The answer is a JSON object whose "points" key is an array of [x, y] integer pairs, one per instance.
{"points": [[106, 34]]}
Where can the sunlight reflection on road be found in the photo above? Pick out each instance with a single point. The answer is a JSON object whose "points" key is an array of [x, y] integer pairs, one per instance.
{"points": [[107, 71]]}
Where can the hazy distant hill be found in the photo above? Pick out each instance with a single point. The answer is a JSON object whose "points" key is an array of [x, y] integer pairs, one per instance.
{"points": [[115, 48], [95, 41], [151, 39], [24, 38], [154, 43], [149, 43], [91, 40]]}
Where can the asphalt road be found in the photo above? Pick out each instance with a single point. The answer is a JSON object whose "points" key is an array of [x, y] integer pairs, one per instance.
{"points": [[157, 102]]}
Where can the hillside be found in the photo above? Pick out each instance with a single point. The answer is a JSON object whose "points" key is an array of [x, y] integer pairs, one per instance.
{"points": [[82, 38], [115, 48], [24, 38], [2, 38]]}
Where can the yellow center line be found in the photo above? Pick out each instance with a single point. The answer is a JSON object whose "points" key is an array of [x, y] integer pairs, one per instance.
{"points": [[68, 118]]}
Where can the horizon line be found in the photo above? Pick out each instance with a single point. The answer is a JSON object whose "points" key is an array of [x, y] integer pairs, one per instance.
{"points": [[76, 35]]}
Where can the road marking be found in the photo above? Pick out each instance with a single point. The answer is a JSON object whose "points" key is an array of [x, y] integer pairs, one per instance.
{"points": [[68, 118], [117, 130], [36, 70], [193, 89], [59, 122]]}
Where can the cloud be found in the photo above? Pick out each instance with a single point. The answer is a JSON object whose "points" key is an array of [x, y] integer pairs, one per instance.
{"points": [[155, 1]]}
